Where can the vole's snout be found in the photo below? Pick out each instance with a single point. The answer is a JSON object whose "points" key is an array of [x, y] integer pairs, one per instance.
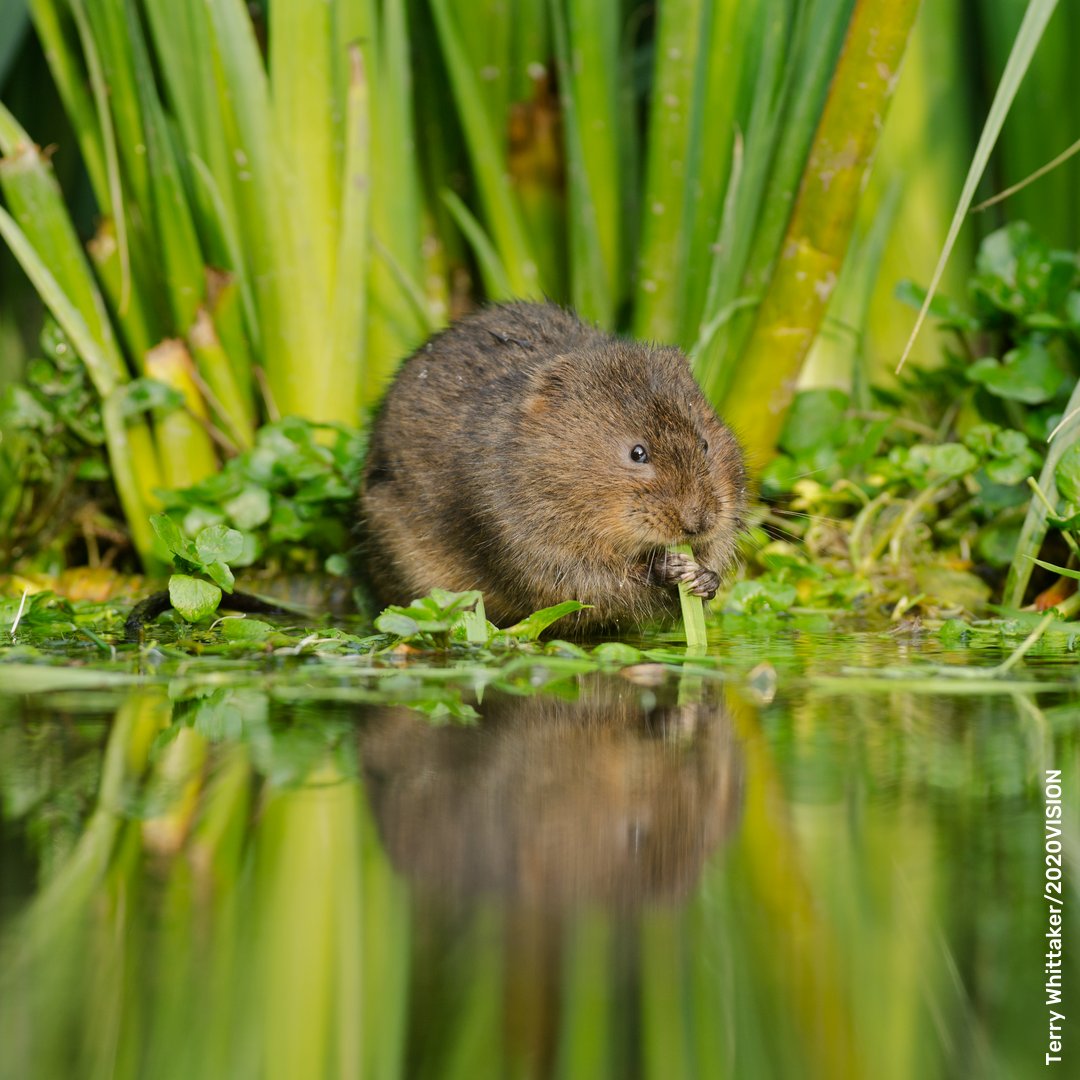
{"points": [[695, 521]]}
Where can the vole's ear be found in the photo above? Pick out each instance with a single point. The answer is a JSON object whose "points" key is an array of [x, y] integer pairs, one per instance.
{"points": [[547, 388]]}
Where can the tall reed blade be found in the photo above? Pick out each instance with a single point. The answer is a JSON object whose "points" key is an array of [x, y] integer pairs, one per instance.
{"points": [[821, 224]]}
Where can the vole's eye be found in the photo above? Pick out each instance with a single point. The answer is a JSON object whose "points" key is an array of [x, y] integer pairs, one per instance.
{"points": [[639, 455], [704, 446]]}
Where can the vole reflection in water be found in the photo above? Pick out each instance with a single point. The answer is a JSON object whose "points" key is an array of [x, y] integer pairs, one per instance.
{"points": [[547, 804]]}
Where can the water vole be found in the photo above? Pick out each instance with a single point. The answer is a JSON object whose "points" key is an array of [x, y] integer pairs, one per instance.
{"points": [[527, 454]]}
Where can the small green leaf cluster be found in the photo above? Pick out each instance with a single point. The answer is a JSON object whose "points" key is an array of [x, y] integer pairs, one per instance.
{"points": [[933, 470], [443, 618], [1017, 344], [207, 556], [51, 453], [290, 496]]}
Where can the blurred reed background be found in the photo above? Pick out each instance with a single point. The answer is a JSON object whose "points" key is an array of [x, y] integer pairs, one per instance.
{"points": [[265, 207]]}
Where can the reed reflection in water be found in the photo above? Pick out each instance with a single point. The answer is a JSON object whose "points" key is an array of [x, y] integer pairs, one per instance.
{"points": [[657, 881]]}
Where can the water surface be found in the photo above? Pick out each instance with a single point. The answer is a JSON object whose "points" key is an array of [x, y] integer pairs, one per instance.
{"points": [[772, 868]]}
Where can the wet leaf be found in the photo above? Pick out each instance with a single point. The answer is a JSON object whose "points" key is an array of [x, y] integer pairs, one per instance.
{"points": [[531, 628], [1027, 374], [193, 598], [219, 544]]}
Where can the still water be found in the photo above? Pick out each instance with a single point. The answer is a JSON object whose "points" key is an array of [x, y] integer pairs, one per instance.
{"points": [[779, 870]]}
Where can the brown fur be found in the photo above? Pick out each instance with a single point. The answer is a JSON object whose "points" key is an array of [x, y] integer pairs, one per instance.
{"points": [[500, 461]]}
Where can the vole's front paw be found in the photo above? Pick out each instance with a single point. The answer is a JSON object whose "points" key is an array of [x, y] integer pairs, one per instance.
{"points": [[681, 568]]}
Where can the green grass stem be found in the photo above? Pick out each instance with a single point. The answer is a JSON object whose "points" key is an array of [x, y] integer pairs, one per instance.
{"points": [[693, 607]]}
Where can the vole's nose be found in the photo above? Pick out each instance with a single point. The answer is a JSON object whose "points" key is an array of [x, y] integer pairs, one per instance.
{"points": [[694, 521]]}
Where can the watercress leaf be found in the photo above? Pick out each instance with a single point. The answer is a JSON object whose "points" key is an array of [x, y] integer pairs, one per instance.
{"points": [[941, 307], [192, 597], [997, 542], [748, 597], [249, 509], [1027, 374], [1013, 470], [816, 419], [617, 652], [980, 438], [1072, 309], [201, 517], [337, 565], [472, 625], [143, 394], [996, 266], [221, 574], [1008, 442], [394, 622], [954, 631], [530, 628], [951, 459], [174, 540], [1067, 474], [237, 629], [219, 544]]}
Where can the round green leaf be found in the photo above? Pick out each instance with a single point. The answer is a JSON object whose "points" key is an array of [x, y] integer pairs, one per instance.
{"points": [[951, 459], [170, 535], [217, 543], [1027, 374], [249, 509], [1067, 474], [194, 598], [390, 622]]}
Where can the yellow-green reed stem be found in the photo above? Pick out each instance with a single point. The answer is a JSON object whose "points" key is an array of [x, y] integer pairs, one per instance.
{"points": [[307, 864], [585, 1024], [665, 1050], [176, 239], [693, 607], [232, 404], [395, 323], [133, 462], [795, 945], [307, 190], [187, 454], [386, 955], [820, 227], [173, 792]]}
